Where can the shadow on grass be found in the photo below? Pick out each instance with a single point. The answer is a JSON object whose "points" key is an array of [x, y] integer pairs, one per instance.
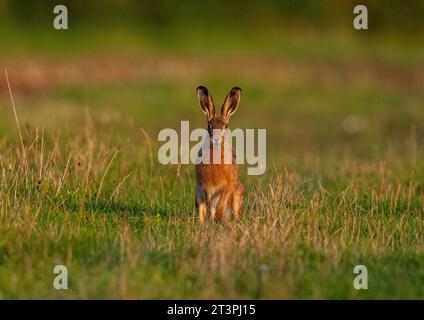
{"points": [[131, 207]]}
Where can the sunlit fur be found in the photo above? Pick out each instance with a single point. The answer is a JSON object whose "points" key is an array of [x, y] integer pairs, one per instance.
{"points": [[219, 192]]}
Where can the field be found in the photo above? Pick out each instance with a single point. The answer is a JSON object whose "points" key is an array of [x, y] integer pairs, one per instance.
{"points": [[80, 183]]}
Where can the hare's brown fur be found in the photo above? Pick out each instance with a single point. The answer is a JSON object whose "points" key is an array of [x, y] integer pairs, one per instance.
{"points": [[219, 192]]}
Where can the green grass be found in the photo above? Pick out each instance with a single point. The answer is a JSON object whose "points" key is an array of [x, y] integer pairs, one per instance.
{"points": [[344, 181]]}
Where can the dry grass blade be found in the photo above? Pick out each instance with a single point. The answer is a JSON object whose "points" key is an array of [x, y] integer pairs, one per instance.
{"points": [[119, 185], [64, 174], [16, 116], [104, 175], [146, 136]]}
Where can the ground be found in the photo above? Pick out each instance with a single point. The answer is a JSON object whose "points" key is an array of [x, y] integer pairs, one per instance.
{"points": [[343, 186]]}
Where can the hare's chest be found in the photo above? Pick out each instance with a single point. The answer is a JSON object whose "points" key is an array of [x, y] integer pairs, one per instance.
{"points": [[212, 177]]}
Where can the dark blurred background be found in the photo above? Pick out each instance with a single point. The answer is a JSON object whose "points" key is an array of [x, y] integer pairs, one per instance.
{"points": [[385, 15], [197, 23], [318, 85]]}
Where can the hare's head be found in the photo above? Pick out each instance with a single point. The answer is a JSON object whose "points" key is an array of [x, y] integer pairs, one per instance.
{"points": [[217, 125]]}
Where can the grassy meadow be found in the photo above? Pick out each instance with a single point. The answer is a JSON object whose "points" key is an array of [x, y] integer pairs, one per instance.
{"points": [[80, 183]]}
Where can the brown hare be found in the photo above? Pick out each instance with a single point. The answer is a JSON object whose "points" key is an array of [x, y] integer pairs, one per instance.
{"points": [[219, 192]]}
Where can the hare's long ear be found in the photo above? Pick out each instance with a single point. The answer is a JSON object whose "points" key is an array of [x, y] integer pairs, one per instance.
{"points": [[206, 102], [231, 103]]}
